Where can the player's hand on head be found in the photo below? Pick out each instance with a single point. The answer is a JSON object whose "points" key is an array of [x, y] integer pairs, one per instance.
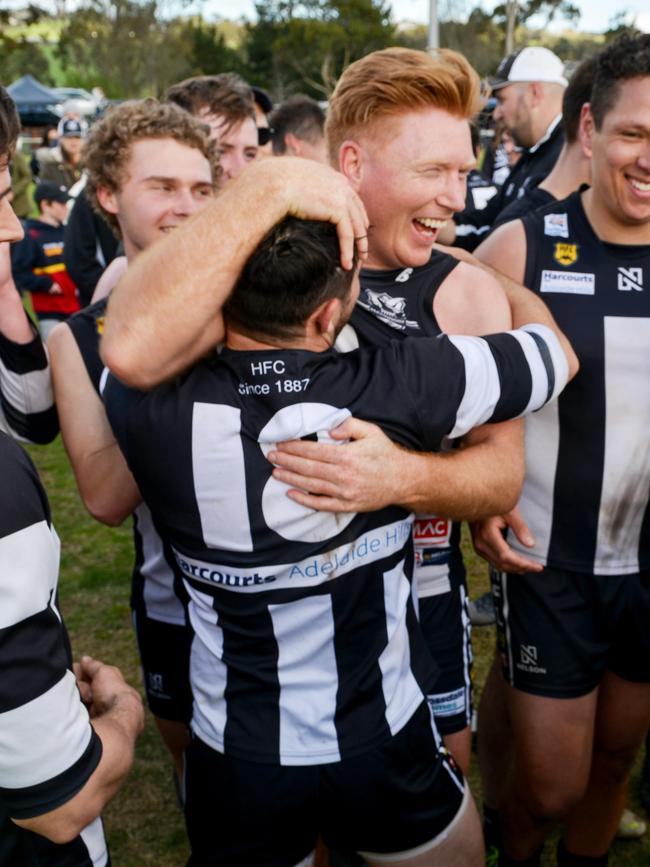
{"points": [[313, 191], [489, 542], [341, 477]]}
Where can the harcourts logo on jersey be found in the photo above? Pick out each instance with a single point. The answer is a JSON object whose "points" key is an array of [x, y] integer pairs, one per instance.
{"points": [[556, 225], [528, 660], [372, 547], [630, 279], [568, 282]]}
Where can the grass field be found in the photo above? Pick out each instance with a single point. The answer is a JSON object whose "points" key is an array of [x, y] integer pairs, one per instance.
{"points": [[143, 823]]}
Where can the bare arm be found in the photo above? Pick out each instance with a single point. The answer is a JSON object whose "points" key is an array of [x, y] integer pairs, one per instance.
{"points": [[346, 478], [165, 312], [481, 479], [105, 483], [118, 718], [14, 323], [109, 278]]}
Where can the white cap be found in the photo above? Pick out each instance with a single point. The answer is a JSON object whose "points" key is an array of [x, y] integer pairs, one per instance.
{"points": [[534, 63]]}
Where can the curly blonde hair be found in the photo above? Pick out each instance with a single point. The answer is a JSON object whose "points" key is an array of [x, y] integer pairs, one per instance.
{"points": [[394, 81], [106, 150]]}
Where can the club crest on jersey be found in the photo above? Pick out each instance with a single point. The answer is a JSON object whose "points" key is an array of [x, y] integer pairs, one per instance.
{"points": [[99, 324], [387, 308], [630, 279], [566, 254], [556, 225]]}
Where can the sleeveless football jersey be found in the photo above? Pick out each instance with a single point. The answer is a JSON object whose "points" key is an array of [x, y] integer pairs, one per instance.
{"points": [[393, 305], [156, 589], [587, 484], [48, 748], [307, 648]]}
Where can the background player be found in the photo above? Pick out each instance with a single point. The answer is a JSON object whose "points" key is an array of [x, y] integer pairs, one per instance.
{"points": [[297, 125], [225, 103], [575, 587], [150, 166]]}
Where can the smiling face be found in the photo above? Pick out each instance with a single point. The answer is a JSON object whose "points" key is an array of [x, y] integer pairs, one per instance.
{"points": [[411, 173], [165, 183], [620, 161]]}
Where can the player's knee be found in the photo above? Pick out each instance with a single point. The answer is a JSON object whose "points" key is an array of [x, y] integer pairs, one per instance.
{"points": [[613, 767], [553, 801]]}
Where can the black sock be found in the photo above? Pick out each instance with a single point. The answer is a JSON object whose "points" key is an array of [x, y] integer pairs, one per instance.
{"points": [[532, 861], [568, 859], [491, 830]]}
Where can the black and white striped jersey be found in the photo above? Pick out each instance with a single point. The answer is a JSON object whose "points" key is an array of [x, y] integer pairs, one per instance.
{"points": [[587, 484], [157, 591], [392, 305], [27, 409], [48, 749], [306, 645]]}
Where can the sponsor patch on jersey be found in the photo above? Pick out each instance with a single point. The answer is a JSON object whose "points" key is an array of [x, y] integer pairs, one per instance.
{"points": [[568, 282], [566, 254], [447, 703], [556, 225], [387, 308], [431, 530], [630, 279], [404, 275]]}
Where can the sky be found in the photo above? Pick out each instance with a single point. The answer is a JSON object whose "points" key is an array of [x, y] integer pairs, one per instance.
{"points": [[596, 14]]}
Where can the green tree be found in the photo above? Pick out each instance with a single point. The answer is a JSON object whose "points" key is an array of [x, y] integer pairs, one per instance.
{"points": [[516, 14], [18, 53], [305, 46], [206, 50], [125, 46]]}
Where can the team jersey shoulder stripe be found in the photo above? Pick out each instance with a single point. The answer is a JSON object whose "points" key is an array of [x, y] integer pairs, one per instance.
{"points": [[43, 740]]}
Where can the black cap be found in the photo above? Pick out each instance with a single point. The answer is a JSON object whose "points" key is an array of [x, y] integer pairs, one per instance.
{"points": [[262, 98], [51, 192], [72, 127]]}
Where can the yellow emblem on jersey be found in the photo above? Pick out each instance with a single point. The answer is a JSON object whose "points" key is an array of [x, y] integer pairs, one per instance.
{"points": [[566, 254], [99, 324]]}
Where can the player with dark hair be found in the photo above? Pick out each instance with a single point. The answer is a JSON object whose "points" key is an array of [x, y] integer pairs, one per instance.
{"points": [[574, 579], [572, 167], [528, 86], [309, 673], [297, 125], [225, 103]]}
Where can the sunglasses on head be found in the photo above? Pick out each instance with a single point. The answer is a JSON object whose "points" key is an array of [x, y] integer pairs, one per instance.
{"points": [[264, 135]]}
